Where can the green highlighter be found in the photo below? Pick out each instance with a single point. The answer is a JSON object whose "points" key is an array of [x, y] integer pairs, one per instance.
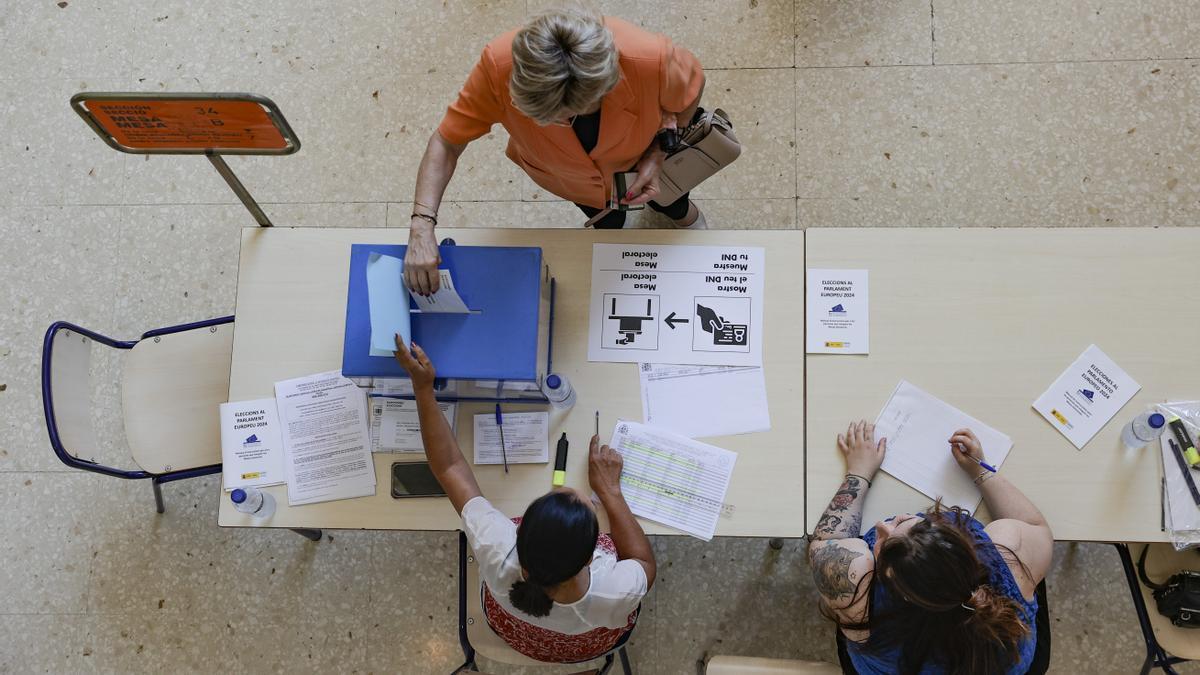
{"points": [[1185, 441], [560, 462]]}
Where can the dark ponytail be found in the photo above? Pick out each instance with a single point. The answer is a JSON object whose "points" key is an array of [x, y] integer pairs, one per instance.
{"points": [[941, 608], [555, 540]]}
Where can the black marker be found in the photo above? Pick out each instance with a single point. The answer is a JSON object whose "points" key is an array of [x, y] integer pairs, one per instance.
{"points": [[560, 462]]}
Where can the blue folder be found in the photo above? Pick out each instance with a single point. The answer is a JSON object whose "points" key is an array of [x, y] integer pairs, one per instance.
{"points": [[499, 342]]}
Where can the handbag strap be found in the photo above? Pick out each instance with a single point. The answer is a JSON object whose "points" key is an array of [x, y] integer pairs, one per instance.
{"points": [[597, 218], [1141, 568]]}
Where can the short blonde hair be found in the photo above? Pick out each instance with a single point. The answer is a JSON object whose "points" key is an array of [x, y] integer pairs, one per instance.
{"points": [[564, 62]]}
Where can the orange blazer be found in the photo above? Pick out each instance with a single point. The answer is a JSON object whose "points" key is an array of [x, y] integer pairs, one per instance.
{"points": [[655, 76]]}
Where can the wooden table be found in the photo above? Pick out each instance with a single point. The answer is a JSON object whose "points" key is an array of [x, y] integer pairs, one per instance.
{"points": [[986, 320], [290, 316]]}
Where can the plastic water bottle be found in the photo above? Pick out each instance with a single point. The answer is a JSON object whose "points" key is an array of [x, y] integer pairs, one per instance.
{"points": [[253, 501], [560, 392], [1143, 429]]}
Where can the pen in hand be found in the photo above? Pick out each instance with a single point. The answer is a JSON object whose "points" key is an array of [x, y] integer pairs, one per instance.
{"points": [[500, 426], [980, 462]]}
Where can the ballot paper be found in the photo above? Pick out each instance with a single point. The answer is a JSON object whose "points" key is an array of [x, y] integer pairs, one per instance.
{"points": [[251, 444], [325, 438], [445, 301], [700, 401], [671, 479], [395, 426], [526, 438], [918, 428], [387, 301], [837, 316], [1086, 396]]}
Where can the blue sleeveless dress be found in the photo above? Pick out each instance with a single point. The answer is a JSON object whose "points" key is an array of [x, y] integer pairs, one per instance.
{"points": [[999, 576]]}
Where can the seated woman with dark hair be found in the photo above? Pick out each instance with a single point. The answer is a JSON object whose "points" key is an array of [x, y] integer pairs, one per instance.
{"points": [[554, 587], [934, 592]]}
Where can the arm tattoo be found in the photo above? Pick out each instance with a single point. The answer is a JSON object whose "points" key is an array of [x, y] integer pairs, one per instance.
{"points": [[843, 516], [831, 569]]}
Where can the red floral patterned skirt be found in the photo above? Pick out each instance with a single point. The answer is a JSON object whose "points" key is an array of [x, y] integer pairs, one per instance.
{"points": [[550, 646]]}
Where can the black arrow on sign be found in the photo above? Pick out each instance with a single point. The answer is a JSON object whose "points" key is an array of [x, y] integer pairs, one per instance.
{"points": [[671, 320]]}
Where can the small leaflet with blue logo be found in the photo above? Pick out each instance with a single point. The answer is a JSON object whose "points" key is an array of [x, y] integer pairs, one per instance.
{"points": [[251, 444], [1086, 396], [837, 312]]}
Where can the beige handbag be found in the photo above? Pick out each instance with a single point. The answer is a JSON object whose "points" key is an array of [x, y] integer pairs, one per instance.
{"points": [[706, 147]]}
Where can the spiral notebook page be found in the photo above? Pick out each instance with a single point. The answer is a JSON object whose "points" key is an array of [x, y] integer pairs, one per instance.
{"points": [[918, 427]]}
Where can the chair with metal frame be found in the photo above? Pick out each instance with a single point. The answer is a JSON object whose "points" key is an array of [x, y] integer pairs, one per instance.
{"points": [[476, 636], [172, 383], [1166, 645]]}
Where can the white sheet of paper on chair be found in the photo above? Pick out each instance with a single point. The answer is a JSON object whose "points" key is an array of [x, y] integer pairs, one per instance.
{"points": [[918, 427]]}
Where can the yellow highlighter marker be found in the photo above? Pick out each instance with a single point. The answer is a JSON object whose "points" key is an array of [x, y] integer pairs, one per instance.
{"points": [[560, 462]]}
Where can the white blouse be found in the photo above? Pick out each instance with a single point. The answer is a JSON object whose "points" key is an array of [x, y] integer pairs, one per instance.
{"points": [[617, 586]]}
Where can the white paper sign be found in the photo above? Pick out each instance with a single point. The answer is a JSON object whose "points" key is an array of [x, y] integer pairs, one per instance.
{"points": [[837, 312], [1086, 396], [251, 444], [698, 305]]}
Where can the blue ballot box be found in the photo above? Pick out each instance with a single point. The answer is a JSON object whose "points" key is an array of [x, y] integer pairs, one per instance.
{"points": [[500, 350]]}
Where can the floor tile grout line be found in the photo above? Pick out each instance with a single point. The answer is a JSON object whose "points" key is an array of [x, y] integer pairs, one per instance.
{"points": [[932, 37]]}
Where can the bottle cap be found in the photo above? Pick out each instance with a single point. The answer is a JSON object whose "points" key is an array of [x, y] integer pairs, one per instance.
{"points": [[238, 496], [554, 381], [1157, 420]]}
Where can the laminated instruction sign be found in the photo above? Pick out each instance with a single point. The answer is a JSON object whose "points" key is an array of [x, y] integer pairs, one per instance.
{"points": [[698, 305]]}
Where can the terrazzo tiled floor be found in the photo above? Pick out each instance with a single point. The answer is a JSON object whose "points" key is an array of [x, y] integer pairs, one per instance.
{"points": [[877, 113]]}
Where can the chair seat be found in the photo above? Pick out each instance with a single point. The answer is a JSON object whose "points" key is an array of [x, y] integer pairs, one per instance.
{"points": [[171, 390], [752, 665], [1163, 561], [482, 637]]}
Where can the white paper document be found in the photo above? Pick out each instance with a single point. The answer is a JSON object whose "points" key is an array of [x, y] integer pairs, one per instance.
{"points": [[701, 401], [698, 305], [251, 444], [1086, 396], [918, 428], [837, 312], [526, 438], [396, 427], [325, 435], [671, 479], [446, 300]]}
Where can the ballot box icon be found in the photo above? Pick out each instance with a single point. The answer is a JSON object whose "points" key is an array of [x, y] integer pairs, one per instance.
{"points": [[631, 321]]}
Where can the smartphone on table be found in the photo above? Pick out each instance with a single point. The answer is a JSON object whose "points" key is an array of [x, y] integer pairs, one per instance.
{"points": [[414, 479]]}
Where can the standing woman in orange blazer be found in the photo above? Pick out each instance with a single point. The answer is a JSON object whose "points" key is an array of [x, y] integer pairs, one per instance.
{"points": [[582, 97]]}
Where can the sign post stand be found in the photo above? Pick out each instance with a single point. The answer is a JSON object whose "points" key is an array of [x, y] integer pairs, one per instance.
{"points": [[191, 124]]}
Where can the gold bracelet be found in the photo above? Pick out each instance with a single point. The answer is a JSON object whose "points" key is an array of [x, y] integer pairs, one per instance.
{"points": [[983, 477], [432, 219]]}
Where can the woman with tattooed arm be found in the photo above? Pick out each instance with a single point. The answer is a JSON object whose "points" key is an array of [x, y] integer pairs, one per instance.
{"points": [[934, 592]]}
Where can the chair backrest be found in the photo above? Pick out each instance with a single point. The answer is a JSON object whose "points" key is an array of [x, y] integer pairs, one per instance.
{"points": [[171, 387], [753, 665], [66, 396], [482, 637]]}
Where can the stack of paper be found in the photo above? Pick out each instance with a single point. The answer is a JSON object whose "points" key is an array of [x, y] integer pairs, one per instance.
{"points": [[326, 439], [526, 438], [396, 427], [671, 479], [701, 401], [918, 428]]}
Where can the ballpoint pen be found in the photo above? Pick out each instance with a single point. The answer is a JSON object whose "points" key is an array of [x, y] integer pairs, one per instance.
{"points": [[981, 463], [597, 424], [500, 426]]}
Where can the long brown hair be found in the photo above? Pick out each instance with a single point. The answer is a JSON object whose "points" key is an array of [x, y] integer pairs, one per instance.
{"points": [[940, 605]]}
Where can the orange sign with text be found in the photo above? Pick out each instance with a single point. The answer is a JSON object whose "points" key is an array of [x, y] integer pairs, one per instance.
{"points": [[193, 124]]}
